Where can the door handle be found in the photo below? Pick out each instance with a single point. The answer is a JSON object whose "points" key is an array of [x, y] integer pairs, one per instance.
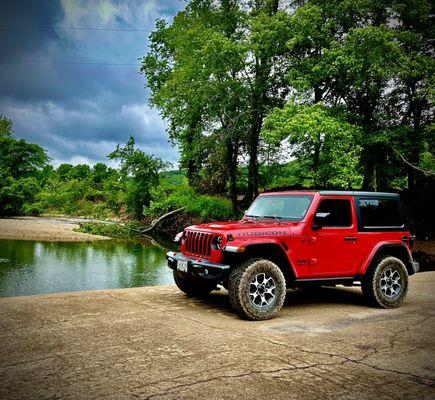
{"points": [[350, 238]]}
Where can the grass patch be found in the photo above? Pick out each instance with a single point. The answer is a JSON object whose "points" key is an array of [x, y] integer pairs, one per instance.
{"points": [[129, 231]]}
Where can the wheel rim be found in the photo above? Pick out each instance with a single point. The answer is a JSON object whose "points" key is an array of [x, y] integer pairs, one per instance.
{"points": [[262, 290], [391, 282]]}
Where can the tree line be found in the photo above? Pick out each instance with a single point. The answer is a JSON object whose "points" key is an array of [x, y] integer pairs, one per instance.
{"points": [[140, 188], [30, 185], [343, 89]]}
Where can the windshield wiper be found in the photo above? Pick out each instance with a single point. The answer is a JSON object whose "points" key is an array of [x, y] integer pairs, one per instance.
{"points": [[256, 217], [278, 219]]}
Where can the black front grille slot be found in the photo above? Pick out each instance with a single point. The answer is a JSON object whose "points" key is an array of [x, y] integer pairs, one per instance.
{"points": [[198, 243]]}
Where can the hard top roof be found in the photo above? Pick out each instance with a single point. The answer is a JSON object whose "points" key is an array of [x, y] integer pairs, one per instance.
{"points": [[332, 192], [357, 193]]}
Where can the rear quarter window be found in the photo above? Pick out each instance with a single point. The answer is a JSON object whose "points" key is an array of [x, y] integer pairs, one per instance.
{"points": [[380, 213]]}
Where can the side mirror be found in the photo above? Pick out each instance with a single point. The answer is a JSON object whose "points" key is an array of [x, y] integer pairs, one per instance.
{"points": [[319, 220]]}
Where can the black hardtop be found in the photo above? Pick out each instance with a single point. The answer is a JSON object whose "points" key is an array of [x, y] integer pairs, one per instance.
{"points": [[356, 193], [332, 192]]}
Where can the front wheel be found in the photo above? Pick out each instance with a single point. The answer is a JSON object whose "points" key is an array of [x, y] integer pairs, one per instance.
{"points": [[193, 288], [386, 284], [257, 289]]}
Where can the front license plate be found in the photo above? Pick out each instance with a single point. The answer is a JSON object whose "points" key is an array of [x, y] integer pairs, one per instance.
{"points": [[182, 266]]}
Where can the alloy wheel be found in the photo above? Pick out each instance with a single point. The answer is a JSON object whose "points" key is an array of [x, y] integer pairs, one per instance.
{"points": [[390, 282], [262, 290]]}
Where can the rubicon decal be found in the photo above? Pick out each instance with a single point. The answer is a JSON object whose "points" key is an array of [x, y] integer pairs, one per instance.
{"points": [[264, 233]]}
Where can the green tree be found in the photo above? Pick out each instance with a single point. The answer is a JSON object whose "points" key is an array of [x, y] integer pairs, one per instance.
{"points": [[100, 172], [374, 59], [192, 71], [17, 194], [20, 158], [363, 66], [215, 73], [80, 172], [20, 163], [63, 171], [140, 171], [410, 105], [6, 127], [322, 137]]}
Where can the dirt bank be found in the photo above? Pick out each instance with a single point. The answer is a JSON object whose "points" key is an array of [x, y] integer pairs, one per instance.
{"points": [[46, 229], [155, 343]]}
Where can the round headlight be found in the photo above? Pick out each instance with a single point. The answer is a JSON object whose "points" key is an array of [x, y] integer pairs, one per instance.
{"points": [[178, 237], [219, 242]]}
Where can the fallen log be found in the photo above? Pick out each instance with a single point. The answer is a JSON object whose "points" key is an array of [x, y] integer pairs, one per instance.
{"points": [[155, 222]]}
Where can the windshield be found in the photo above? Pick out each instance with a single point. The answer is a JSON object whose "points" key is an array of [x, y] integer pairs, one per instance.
{"points": [[291, 207]]}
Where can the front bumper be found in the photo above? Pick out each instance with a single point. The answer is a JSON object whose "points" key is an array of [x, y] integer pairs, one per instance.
{"points": [[198, 268]]}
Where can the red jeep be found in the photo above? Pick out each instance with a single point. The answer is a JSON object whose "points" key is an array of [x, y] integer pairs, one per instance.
{"points": [[301, 239]]}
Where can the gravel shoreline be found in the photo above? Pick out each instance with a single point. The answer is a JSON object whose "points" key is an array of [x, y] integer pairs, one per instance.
{"points": [[50, 230]]}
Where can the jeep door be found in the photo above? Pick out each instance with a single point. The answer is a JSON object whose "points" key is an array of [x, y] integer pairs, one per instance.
{"points": [[335, 250]]}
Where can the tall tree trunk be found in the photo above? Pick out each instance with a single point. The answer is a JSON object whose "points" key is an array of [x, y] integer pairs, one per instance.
{"points": [[370, 152], [411, 178], [192, 163], [230, 128], [258, 104], [253, 142], [318, 94], [416, 108], [231, 160]]}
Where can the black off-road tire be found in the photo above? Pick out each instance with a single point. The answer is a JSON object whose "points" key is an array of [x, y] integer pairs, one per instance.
{"points": [[193, 288], [371, 283], [240, 282]]}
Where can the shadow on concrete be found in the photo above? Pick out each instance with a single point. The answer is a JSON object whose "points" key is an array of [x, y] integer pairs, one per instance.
{"points": [[299, 298], [324, 295]]}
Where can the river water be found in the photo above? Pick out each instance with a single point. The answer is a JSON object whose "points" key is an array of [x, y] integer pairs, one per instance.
{"points": [[29, 267]]}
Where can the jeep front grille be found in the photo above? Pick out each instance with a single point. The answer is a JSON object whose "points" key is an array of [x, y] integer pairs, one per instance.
{"points": [[198, 243]]}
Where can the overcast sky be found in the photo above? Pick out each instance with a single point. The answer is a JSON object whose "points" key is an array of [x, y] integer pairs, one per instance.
{"points": [[54, 88]]}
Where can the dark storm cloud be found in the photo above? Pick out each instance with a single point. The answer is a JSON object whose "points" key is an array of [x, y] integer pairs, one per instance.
{"points": [[17, 20], [79, 112]]}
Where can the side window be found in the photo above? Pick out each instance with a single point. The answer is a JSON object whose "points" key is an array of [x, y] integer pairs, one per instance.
{"points": [[339, 210], [380, 213]]}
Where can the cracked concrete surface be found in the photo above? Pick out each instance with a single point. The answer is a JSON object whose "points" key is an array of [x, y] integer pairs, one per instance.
{"points": [[155, 343]]}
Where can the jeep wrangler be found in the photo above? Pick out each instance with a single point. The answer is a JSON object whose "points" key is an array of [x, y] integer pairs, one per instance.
{"points": [[300, 239]]}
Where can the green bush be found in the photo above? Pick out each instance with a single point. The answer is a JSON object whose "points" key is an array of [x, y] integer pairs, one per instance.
{"points": [[111, 230], [80, 197], [207, 207], [15, 194], [211, 207], [33, 209]]}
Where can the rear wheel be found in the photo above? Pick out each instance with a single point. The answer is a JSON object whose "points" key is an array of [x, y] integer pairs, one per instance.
{"points": [[386, 284], [257, 289], [193, 288]]}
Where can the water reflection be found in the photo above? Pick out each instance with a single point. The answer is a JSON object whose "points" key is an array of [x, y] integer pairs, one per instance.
{"points": [[29, 267]]}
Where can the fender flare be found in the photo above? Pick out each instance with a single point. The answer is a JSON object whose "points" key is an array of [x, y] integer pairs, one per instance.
{"points": [[379, 248], [250, 246]]}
